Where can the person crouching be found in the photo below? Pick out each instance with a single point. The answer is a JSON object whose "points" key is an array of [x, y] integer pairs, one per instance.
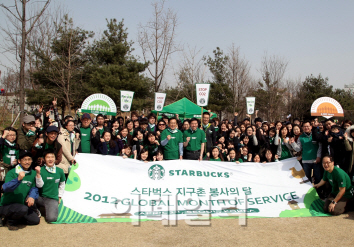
{"points": [[50, 180]]}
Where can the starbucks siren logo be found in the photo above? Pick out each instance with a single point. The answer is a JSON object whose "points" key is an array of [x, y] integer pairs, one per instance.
{"points": [[156, 172], [202, 101], [125, 107], [250, 111], [158, 107]]}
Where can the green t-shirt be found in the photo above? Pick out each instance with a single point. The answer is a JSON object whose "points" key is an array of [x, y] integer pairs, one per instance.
{"points": [[49, 146], [171, 150], [51, 181], [85, 140], [21, 192], [197, 137], [7, 152], [212, 159], [339, 178], [101, 131]]}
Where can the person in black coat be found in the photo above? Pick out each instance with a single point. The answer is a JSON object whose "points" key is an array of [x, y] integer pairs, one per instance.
{"points": [[108, 146]]}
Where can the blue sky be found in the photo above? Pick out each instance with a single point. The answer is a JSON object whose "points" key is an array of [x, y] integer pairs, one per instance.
{"points": [[315, 37]]}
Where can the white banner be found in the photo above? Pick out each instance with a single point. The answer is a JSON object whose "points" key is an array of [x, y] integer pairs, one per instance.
{"points": [[126, 100], [250, 102], [159, 101], [112, 189], [202, 90]]}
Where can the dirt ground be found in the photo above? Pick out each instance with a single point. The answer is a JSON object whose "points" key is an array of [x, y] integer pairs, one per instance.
{"points": [[313, 231]]}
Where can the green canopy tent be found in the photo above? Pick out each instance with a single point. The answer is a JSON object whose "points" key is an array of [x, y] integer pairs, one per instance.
{"points": [[184, 108]]}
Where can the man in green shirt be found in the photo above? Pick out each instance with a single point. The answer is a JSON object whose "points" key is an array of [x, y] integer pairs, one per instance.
{"points": [[20, 193], [50, 180], [88, 142], [342, 189], [194, 140], [172, 141]]}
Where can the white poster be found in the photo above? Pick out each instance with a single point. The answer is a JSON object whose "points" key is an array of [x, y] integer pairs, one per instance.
{"points": [[112, 189], [202, 90], [159, 101], [126, 100], [250, 101]]}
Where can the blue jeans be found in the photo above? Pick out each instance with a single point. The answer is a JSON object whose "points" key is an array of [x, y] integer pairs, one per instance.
{"points": [[316, 171], [51, 208]]}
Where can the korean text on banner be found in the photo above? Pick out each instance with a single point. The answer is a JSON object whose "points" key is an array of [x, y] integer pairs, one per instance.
{"points": [[129, 190]]}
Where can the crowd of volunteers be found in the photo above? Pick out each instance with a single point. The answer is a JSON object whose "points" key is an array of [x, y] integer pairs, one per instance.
{"points": [[36, 158]]}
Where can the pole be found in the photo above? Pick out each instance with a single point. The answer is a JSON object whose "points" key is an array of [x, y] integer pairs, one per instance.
{"points": [[201, 115]]}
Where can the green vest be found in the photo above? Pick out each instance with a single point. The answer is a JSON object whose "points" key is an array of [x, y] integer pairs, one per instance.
{"points": [[309, 148], [85, 140], [171, 150], [51, 181], [21, 192]]}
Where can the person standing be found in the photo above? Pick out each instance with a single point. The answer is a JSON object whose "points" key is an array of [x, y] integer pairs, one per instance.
{"points": [[311, 152], [27, 134], [69, 141], [210, 133], [194, 140], [172, 141], [342, 189], [88, 142]]}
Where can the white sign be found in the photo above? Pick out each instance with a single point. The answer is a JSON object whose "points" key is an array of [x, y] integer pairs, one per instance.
{"points": [[159, 101], [250, 101], [99, 104], [202, 90], [326, 107], [126, 100], [125, 190]]}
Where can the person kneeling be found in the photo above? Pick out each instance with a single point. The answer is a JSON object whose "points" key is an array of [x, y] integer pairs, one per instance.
{"points": [[20, 193], [51, 183], [342, 189]]}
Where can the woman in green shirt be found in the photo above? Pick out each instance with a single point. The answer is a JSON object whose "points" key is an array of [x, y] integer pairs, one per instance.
{"points": [[216, 155], [284, 149]]}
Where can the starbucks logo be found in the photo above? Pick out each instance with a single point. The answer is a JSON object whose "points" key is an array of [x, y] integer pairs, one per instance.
{"points": [[158, 107], [202, 101], [125, 107], [250, 110], [156, 172]]}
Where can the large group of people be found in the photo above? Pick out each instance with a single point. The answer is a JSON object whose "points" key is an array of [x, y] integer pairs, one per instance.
{"points": [[37, 157]]}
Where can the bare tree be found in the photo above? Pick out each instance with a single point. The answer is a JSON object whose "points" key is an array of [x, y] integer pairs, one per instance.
{"points": [[157, 41], [238, 77], [41, 38], [271, 89], [21, 28], [191, 71]]}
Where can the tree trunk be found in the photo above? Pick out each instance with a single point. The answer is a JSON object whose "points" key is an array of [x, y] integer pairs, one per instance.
{"points": [[23, 62]]}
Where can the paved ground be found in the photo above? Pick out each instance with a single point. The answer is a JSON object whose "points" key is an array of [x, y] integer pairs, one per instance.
{"points": [[314, 231]]}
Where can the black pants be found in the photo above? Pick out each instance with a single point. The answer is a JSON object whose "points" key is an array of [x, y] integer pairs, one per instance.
{"points": [[340, 206], [16, 212], [191, 155]]}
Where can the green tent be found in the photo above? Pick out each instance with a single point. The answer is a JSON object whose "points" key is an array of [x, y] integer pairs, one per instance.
{"points": [[184, 108]]}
